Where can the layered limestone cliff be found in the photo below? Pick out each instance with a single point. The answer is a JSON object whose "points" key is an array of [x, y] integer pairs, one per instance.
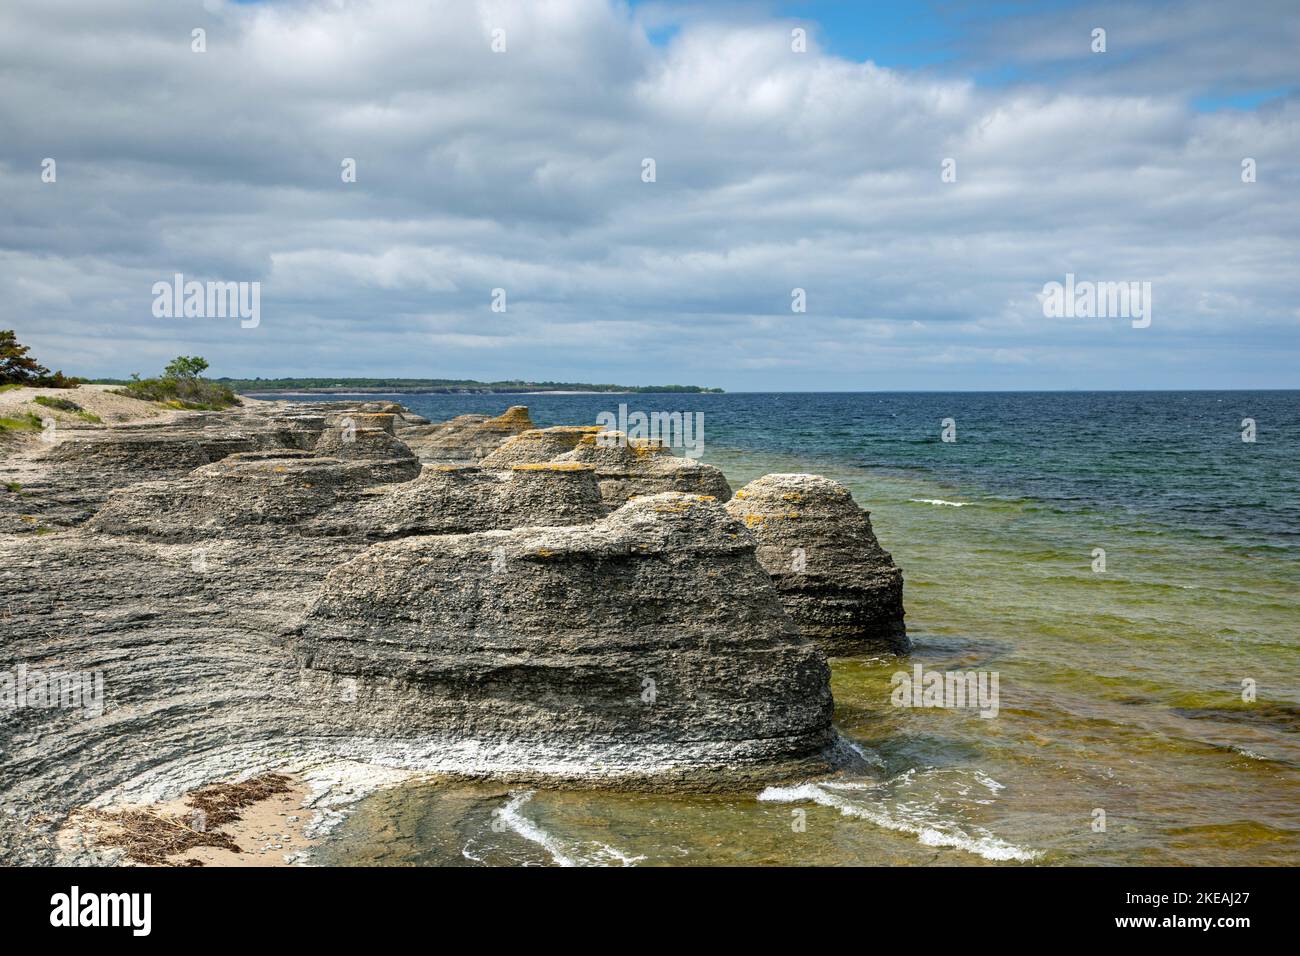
{"points": [[448, 499], [287, 582], [244, 490], [63, 483], [651, 633]]}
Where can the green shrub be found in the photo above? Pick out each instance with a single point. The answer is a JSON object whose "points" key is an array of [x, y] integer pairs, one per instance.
{"points": [[62, 404], [180, 386]]}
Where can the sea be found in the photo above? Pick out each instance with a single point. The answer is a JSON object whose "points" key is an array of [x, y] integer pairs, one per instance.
{"points": [[1127, 564]]}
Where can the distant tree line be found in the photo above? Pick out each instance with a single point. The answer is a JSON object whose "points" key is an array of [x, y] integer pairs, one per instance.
{"points": [[448, 385]]}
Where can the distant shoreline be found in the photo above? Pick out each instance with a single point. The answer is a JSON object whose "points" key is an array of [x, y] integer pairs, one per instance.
{"points": [[276, 392], [416, 386]]}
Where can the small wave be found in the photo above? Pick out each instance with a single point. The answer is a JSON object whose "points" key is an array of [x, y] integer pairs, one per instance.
{"points": [[602, 855], [937, 833], [939, 501], [870, 756]]}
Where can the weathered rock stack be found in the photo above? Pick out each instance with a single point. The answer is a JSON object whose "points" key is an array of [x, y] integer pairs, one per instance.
{"points": [[538, 445], [628, 468], [467, 438], [840, 587], [451, 499], [383, 421], [298, 431], [244, 490], [650, 643], [350, 439]]}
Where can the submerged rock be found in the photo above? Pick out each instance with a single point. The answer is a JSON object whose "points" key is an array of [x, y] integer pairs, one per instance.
{"points": [[467, 438], [448, 499], [652, 632], [626, 468], [840, 587], [538, 445]]}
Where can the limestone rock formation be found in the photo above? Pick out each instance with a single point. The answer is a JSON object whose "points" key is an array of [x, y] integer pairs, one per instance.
{"points": [[388, 458], [467, 438], [840, 587], [383, 421], [389, 408], [231, 597], [626, 468], [240, 491], [538, 445], [403, 414], [449, 499], [65, 484], [300, 431], [651, 632]]}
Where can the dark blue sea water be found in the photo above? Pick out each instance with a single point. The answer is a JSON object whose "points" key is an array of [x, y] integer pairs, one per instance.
{"points": [[1175, 459]]}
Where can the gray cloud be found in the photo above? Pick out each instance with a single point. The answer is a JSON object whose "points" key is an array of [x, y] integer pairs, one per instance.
{"points": [[522, 170]]}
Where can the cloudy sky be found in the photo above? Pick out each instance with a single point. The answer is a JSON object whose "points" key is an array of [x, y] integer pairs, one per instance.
{"points": [[774, 170]]}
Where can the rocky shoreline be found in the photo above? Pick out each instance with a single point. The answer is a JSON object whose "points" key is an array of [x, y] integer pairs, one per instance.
{"points": [[346, 591]]}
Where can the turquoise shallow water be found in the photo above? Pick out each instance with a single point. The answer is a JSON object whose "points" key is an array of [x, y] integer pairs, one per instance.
{"points": [[1119, 691]]}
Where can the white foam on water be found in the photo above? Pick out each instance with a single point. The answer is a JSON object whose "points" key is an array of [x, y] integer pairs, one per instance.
{"points": [[869, 756], [563, 855], [857, 800], [464, 851], [939, 501]]}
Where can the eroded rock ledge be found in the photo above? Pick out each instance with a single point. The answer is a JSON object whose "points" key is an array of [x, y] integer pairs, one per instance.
{"points": [[287, 580]]}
